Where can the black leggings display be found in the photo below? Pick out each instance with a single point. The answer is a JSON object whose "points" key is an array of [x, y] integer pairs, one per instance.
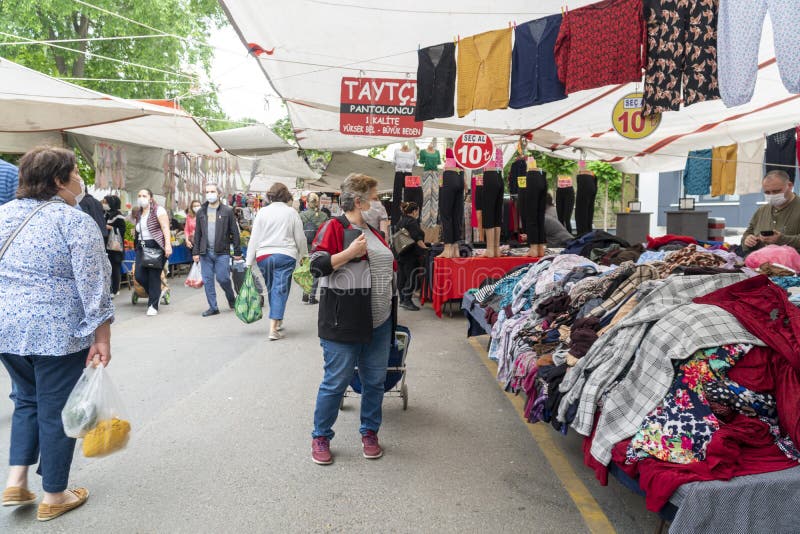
{"points": [[451, 206], [413, 194], [584, 203], [492, 199], [565, 203], [397, 195], [149, 279], [535, 203]]}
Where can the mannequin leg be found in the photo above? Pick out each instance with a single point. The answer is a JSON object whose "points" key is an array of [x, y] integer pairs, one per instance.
{"points": [[479, 215], [497, 231]]}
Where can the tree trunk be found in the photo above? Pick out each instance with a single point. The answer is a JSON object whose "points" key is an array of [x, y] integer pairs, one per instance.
{"points": [[81, 27]]}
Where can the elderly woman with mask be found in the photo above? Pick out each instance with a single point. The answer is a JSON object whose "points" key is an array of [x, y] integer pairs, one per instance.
{"points": [[356, 268]]}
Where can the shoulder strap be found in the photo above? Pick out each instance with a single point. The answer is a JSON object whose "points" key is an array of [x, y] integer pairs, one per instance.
{"points": [[16, 232], [344, 221]]}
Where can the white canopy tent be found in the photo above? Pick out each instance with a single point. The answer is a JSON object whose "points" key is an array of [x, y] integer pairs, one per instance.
{"points": [[259, 174], [254, 140], [344, 163], [307, 66]]}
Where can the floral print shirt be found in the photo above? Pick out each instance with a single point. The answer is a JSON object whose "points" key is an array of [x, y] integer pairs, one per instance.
{"points": [[680, 429], [54, 280]]}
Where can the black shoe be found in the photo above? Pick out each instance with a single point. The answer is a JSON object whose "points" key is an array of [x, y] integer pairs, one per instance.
{"points": [[313, 300], [305, 298], [232, 303], [408, 305], [209, 312]]}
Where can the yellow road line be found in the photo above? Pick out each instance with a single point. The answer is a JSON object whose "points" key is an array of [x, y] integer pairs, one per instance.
{"points": [[590, 510]]}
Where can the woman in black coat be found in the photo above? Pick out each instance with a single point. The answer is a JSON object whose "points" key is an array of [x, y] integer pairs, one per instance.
{"points": [[115, 222], [408, 261]]}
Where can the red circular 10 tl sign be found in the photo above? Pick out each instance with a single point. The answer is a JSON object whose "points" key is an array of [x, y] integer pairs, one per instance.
{"points": [[473, 149]]}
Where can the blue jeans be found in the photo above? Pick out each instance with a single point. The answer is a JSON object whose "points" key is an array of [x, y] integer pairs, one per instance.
{"points": [[213, 265], [340, 363], [40, 387], [277, 270]]}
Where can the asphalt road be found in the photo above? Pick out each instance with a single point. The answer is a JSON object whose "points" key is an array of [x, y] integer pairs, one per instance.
{"points": [[221, 439]]}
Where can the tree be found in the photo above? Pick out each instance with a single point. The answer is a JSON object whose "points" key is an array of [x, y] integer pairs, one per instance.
{"points": [[184, 60], [317, 159]]}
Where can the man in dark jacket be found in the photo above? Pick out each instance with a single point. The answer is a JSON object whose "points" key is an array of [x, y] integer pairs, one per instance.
{"points": [[93, 208], [216, 231]]}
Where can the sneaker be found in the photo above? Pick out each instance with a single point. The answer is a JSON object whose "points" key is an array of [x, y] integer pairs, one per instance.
{"points": [[209, 312], [408, 305], [151, 311], [275, 335], [305, 298], [321, 451], [313, 300], [372, 449]]}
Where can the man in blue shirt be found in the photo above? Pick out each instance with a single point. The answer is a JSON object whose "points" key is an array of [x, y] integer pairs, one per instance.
{"points": [[9, 180]]}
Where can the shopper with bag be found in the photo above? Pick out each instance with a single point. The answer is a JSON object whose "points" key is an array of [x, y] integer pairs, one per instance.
{"points": [[115, 242], [408, 259], [153, 247], [55, 318], [191, 224], [356, 268], [215, 233], [312, 219], [276, 243]]}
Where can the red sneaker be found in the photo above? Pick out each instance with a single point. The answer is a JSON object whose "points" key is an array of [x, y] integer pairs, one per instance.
{"points": [[321, 451], [372, 448]]}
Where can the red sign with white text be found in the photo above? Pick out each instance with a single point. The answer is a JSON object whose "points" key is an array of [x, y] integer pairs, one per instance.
{"points": [[379, 107], [473, 149], [413, 181]]}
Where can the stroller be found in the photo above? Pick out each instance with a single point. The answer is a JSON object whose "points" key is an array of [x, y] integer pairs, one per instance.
{"points": [[140, 293], [396, 372]]}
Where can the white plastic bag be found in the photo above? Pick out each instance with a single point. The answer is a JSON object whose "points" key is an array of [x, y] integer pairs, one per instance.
{"points": [[94, 411], [195, 278]]}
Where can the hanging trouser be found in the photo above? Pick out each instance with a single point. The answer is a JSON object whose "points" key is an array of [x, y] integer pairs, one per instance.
{"points": [[429, 207], [397, 195], [738, 39], [451, 206], [565, 204], [492, 199], [584, 203], [535, 194]]}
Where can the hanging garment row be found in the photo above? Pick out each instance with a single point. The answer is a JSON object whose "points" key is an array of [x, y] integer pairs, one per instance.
{"points": [[689, 50]]}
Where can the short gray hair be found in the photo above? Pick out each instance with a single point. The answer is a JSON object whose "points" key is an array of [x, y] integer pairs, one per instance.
{"points": [[777, 173], [355, 186], [215, 185]]}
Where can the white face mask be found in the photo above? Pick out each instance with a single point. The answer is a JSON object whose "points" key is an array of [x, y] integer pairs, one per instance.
{"points": [[105, 207], [778, 199], [144, 202], [212, 198]]}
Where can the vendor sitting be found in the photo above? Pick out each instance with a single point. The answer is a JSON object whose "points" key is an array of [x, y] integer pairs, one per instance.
{"points": [[777, 223]]}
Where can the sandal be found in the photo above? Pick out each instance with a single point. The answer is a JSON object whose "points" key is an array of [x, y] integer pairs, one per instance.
{"points": [[51, 511], [16, 496]]}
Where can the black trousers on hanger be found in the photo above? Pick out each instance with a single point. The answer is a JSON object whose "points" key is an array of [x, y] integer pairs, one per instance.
{"points": [[492, 202], [565, 203], [397, 195], [535, 194], [584, 203], [451, 206]]}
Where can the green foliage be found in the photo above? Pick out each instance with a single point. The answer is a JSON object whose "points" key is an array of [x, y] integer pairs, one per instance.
{"points": [[85, 167], [377, 151], [607, 177], [317, 159], [66, 19]]}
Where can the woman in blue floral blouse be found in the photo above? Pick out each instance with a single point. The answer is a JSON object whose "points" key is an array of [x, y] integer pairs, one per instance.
{"points": [[55, 319]]}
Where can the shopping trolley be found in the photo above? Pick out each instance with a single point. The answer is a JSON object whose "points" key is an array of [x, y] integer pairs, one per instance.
{"points": [[139, 292], [395, 385]]}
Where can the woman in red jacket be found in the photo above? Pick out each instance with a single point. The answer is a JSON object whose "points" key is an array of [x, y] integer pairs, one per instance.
{"points": [[356, 270]]}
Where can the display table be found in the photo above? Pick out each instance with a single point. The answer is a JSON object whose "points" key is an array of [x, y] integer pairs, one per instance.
{"points": [[633, 227], [691, 223], [452, 277], [180, 255]]}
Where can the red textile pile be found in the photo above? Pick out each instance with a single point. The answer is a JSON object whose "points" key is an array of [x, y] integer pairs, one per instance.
{"points": [[655, 243]]}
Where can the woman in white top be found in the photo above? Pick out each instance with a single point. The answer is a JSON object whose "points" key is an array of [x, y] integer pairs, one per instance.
{"points": [[276, 243], [152, 231]]}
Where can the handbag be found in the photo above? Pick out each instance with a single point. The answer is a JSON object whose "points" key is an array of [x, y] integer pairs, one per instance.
{"points": [[248, 302], [402, 241], [152, 257], [114, 242]]}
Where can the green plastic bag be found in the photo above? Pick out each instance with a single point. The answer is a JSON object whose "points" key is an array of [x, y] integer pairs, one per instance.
{"points": [[302, 276], [248, 301]]}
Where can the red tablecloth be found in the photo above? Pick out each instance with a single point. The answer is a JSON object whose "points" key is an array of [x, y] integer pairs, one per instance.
{"points": [[452, 277]]}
